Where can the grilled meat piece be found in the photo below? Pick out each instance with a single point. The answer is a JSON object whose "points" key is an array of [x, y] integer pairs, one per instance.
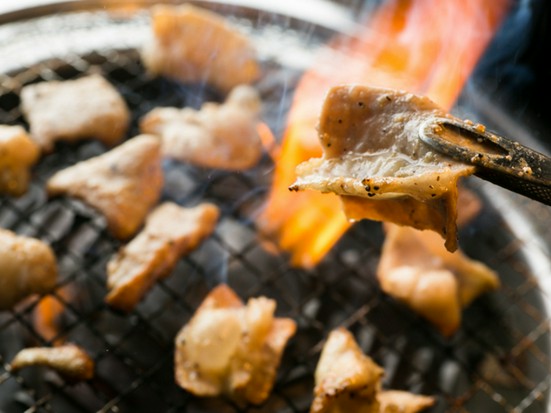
{"points": [[222, 136], [71, 110], [396, 401], [69, 360], [346, 379], [374, 159], [194, 45], [232, 349], [416, 269], [18, 153], [27, 266], [349, 381], [123, 183], [170, 232]]}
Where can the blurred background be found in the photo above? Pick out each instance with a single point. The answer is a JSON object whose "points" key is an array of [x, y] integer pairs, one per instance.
{"points": [[513, 75], [514, 72]]}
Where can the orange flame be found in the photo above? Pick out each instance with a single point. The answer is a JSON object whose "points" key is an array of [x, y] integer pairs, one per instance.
{"points": [[426, 47], [47, 314], [268, 139]]}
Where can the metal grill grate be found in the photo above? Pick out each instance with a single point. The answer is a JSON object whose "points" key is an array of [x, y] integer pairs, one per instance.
{"points": [[498, 361]]}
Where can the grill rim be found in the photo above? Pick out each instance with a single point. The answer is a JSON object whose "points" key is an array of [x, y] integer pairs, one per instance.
{"points": [[337, 18]]}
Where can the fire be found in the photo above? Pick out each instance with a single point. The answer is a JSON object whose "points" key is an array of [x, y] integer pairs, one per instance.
{"points": [[47, 313], [426, 47], [267, 138]]}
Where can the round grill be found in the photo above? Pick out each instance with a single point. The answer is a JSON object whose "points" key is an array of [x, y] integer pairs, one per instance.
{"points": [[497, 362]]}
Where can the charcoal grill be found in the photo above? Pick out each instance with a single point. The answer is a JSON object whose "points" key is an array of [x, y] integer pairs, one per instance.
{"points": [[498, 361]]}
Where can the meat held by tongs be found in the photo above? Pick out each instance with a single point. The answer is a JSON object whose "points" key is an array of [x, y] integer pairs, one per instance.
{"points": [[396, 157], [374, 159]]}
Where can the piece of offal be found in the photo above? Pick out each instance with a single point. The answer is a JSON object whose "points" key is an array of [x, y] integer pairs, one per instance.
{"points": [[123, 183], [69, 360], [195, 45], [170, 232], [373, 158], [232, 349], [417, 270], [18, 153], [89, 107], [222, 136], [347, 380], [27, 266]]}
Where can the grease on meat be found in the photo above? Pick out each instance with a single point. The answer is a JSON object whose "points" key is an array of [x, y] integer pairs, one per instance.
{"points": [[220, 136], [69, 360], [194, 45], [232, 349], [374, 159], [123, 183], [27, 266], [71, 110], [170, 232], [18, 153]]}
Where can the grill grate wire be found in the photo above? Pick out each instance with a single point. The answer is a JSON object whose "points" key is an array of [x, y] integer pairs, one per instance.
{"points": [[508, 330]]}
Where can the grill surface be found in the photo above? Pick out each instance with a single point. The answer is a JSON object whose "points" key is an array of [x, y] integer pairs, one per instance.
{"points": [[497, 362]]}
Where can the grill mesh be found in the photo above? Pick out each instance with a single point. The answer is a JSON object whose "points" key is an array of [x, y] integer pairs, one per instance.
{"points": [[497, 362]]}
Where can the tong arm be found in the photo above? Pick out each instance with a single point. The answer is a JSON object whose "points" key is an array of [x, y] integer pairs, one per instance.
{"points": [[499, 160]]}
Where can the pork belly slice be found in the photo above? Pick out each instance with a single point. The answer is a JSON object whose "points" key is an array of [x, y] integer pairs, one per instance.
{"points": [[71, 110], [27, 266], [170, 232], [417, 270], [195, 45], [374, 159], [232, 349], [222, 136], [69, 360], [347, 380], [18, 153], [123, 183]]}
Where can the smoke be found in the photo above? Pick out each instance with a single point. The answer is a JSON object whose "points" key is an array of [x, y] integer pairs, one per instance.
{"points": [[513, 71]]}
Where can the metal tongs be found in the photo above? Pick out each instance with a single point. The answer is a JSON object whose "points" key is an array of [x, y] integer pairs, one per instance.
{"points": [[499, 160]]}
